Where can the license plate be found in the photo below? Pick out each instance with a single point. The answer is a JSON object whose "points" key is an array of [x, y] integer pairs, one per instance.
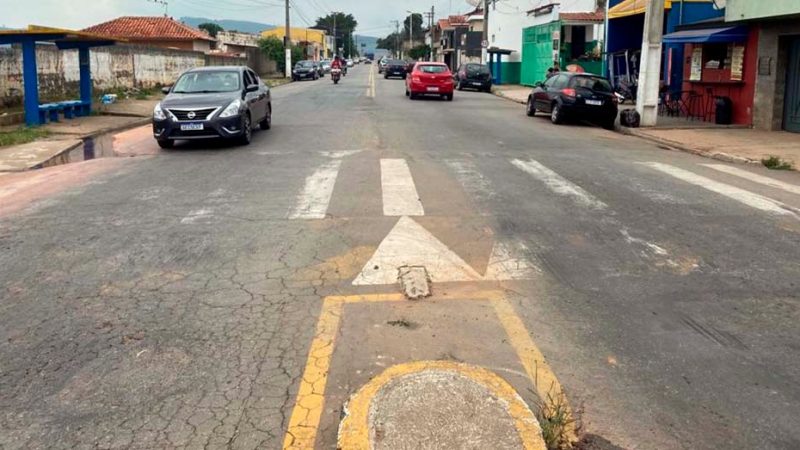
{"points": [[191, 127], [594, 102], [433, 89], [476, 83]]}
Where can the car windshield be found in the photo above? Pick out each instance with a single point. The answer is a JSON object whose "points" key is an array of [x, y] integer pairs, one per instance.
{"points": [[305, 64], [207, 82], [396, 62], [430, 68], [477, 68], [597, 84]]}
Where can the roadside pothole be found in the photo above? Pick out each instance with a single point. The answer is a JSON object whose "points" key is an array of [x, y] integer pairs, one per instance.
{"points": [[414, 282]]}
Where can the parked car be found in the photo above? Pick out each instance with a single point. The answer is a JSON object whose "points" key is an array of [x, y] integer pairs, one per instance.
{"points": [[570, 95], [430, 78], [326, 65], [474, 76], [382, 64], [410, 65], [305, 70], [350, 63], [213, 102], [319, 69], [395, 68]]}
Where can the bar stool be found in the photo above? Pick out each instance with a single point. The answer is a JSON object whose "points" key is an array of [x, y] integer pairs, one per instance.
{"points": [[694, 106], [709, 104]]}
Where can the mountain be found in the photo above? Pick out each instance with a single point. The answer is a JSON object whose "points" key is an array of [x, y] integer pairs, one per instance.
{"points": [[229, 25]]}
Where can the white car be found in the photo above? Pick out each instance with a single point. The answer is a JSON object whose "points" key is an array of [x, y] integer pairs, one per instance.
{"points": [[350, 63]]}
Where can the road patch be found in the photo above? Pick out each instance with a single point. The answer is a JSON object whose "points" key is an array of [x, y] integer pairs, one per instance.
{"points": [[313, 201]]}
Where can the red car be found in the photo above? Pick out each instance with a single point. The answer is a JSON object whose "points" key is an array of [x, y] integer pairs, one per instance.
{"points": [[430, 78]]}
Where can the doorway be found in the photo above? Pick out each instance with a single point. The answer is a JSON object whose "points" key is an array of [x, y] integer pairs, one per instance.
{"points": [[791, 112]]}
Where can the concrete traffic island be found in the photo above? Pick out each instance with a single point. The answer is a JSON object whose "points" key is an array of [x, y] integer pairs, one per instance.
{"points": [[438, 404]]}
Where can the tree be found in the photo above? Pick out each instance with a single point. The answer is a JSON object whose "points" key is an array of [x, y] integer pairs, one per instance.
{"points": [[345, 25], [390, 42], [211, 28], [416, 23], [273, 48], [419, 52]]}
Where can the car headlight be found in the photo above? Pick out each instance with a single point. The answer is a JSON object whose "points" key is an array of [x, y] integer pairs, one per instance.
{"points": [[158, 113], [232, 109]]}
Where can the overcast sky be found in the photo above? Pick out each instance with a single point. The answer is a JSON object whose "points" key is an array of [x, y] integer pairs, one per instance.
{"points": [[373, 15]]}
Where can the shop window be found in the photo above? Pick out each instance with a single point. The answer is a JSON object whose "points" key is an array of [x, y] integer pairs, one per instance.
{"points": [[716, 56]]}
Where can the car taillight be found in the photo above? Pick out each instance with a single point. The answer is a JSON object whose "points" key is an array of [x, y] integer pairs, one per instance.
{"points": [[416, 79], [568, 92]]}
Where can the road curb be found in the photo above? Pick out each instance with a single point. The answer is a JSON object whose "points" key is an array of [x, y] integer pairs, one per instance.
{"points": [[499, 93], [676, 146]]}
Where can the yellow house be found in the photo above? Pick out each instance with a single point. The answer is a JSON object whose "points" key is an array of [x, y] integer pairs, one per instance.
{"points": [[314, 41]]}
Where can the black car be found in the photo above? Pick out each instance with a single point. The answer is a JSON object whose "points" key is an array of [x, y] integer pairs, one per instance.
{"points": [[305, 70], [473, 76], [582, 96], [213, 102], [395, 68]]}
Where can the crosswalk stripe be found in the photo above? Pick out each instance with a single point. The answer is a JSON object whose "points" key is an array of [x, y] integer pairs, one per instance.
{"points": [[746, 197], [400, 196], [559, 184], [313, 201], [756, 178]]}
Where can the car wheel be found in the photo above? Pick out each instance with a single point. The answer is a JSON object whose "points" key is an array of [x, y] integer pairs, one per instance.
{"points": [[556, 115], [166, 143], [530, 109], [247, 130], [266, 124], [460, 87], [408, 94], [449, 97], [412, 96]]}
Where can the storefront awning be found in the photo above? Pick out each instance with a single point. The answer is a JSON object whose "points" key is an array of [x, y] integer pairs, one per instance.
{"points": [[722, 34], [631, 8]]}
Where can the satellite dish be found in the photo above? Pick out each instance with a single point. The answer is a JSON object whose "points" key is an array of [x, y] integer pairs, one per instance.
{"points": [[474, 2]]}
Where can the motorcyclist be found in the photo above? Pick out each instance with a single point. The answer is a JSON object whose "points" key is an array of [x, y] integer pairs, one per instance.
{"points": [[337, 63]]}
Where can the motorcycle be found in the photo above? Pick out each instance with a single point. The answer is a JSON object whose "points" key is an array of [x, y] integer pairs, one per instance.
{"points": [[336, 75]]}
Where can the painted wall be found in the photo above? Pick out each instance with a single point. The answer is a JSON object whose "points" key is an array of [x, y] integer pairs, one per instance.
{"points": [[750, 9], [117, 67], [716, 82]]}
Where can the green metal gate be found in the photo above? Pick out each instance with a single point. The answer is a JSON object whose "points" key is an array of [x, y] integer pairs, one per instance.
{"points": [[791, 115], [537, 52]]}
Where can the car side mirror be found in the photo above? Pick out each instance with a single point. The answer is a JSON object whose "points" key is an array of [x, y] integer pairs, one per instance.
{"points": [[165, 90], [252, 88], [538, 84]]}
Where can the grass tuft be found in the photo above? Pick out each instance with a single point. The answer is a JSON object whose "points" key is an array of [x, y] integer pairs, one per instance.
{"points": [[557, 422], [776, 163], [21, 135]]}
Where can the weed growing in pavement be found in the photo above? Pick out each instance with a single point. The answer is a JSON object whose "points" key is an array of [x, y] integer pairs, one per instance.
{"points": [[557, 422], [776, 163]]}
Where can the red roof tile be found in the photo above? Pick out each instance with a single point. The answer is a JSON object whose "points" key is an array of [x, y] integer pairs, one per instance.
{"points": [[596, 16], [148, 28]]}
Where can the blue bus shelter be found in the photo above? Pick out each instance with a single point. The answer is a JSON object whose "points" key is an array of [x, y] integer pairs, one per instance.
{"points": [[35, 113]]}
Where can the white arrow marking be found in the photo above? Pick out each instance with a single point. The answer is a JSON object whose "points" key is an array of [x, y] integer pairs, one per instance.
{"points": [[409, 244], [400, 196]]}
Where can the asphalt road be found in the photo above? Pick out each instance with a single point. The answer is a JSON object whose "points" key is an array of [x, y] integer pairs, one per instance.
{"points": [[172, 301]]}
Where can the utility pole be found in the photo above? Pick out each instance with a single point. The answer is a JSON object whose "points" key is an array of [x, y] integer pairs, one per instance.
{"points": [[430, 16], [335, 40], [287, 44], [485, 40], [410, 35], [396, 35], [650, 63]]}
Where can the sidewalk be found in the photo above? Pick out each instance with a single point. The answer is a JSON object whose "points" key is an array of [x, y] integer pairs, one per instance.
{"points": [[727, 144], [67, 135], [514, 92]]}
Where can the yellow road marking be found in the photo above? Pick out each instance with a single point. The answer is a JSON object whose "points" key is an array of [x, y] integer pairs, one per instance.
{"points": [[354, 430], [537, 368], [302, 430], [304, 422]]}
